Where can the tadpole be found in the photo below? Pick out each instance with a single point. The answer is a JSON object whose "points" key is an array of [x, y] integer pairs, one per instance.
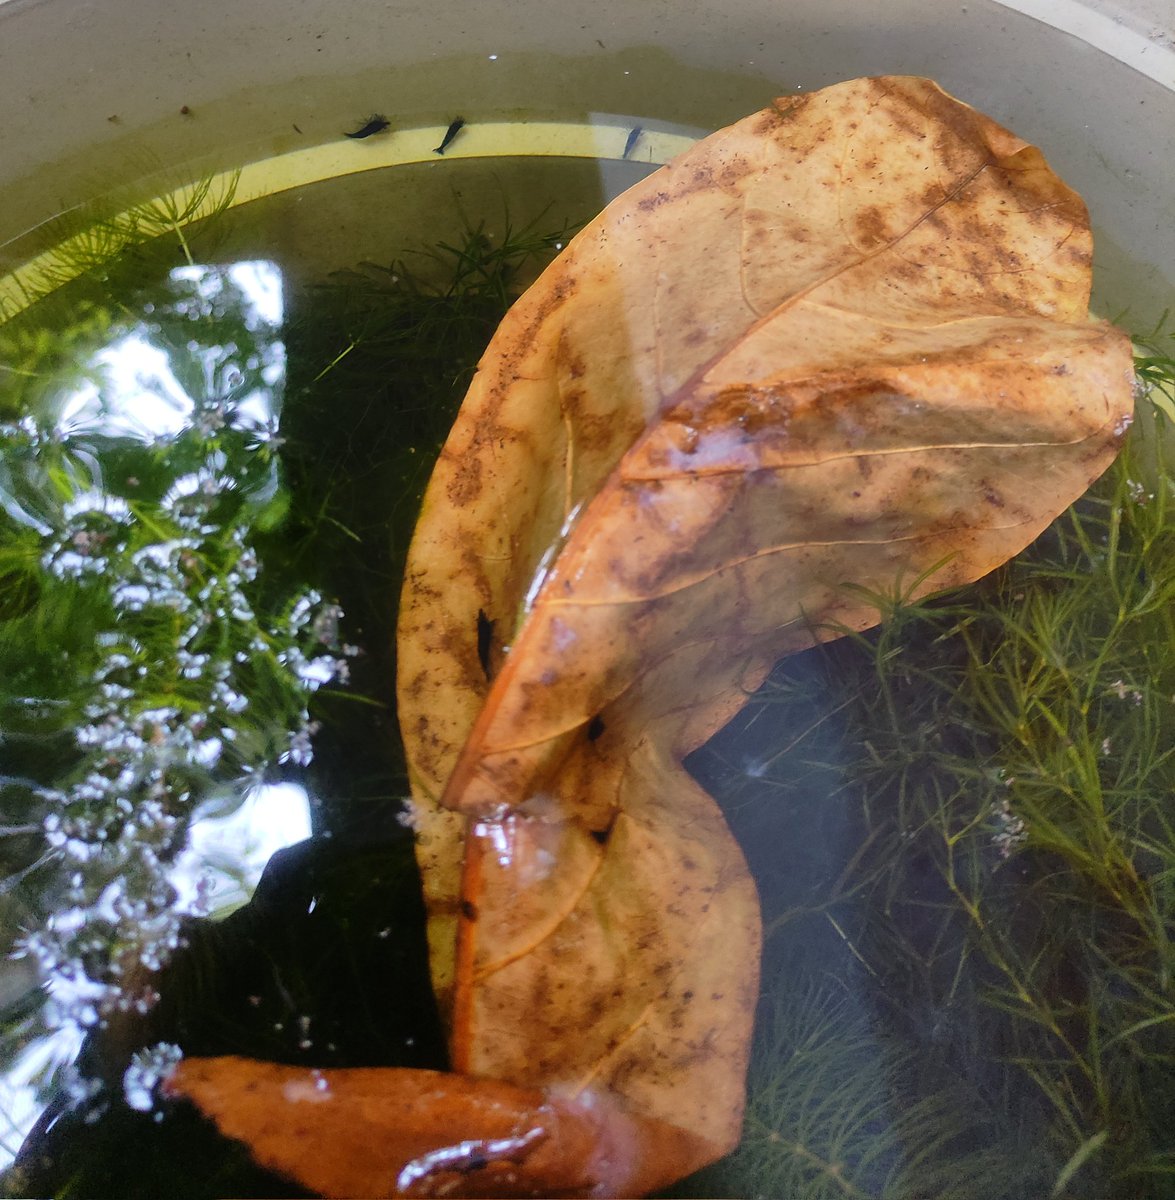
{"points": [[376, 123], [454, 129]]}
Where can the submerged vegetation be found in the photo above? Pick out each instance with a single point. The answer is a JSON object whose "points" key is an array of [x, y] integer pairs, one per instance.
{"points": [[966, 831], [961, 823], [379, 359], [99, 250]]}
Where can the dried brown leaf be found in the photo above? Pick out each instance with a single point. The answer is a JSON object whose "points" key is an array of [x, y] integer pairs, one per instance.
{"points": [[845, 341], [842, 342]]}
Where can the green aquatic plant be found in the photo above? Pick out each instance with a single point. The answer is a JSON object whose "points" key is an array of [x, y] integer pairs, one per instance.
{"points": [[378, 360], [979, 801], [829, 1114], [1153, 357], [102, 246]]}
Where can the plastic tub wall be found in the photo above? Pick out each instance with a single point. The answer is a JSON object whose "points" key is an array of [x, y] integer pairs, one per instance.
{"points": [[94, 95]]}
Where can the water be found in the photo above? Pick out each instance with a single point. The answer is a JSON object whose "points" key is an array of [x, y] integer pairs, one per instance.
{"points": [[246, 436], [193, 452]]}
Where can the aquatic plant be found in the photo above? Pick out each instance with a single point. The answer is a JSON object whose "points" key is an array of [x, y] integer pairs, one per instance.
{"points": [[993, 769], [1154, 353], [99, 245], [828, 1115], [378, 358]]}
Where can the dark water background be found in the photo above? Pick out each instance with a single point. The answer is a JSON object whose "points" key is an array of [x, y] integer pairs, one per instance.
{"points": [[960, 825]]}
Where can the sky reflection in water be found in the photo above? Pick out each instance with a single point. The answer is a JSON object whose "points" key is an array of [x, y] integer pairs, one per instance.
{"points": [[139, 383]]}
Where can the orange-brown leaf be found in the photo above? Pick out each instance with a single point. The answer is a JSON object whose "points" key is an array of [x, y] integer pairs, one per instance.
{"points": [[374, 1132], [844, 341]]}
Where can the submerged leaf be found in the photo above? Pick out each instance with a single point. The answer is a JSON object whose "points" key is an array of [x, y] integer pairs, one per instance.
{"points": [[840, 346], [844, 341]]}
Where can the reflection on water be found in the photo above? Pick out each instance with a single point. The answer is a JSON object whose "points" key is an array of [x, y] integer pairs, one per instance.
{"points": [[154, 676], [215, 467], [132, 388], [216, 872], [22, 1084], [225, 855]]}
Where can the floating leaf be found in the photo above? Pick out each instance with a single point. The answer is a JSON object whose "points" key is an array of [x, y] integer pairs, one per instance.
{"points": [[841, 346], [845, 341], [401, 1132]]}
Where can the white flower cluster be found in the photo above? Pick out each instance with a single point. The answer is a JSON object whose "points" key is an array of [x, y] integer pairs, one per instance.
{"points": [[94, 532], [1126, 691], [308, 664], [1010, 831]]}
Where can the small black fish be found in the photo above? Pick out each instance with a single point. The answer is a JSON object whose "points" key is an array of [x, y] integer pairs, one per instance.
{"points": [[376, 123], [454, 129], [485, 640], [633, 138]]}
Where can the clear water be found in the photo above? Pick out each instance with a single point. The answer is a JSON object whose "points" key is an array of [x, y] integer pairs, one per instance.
{"points": [[951, 1005]]}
